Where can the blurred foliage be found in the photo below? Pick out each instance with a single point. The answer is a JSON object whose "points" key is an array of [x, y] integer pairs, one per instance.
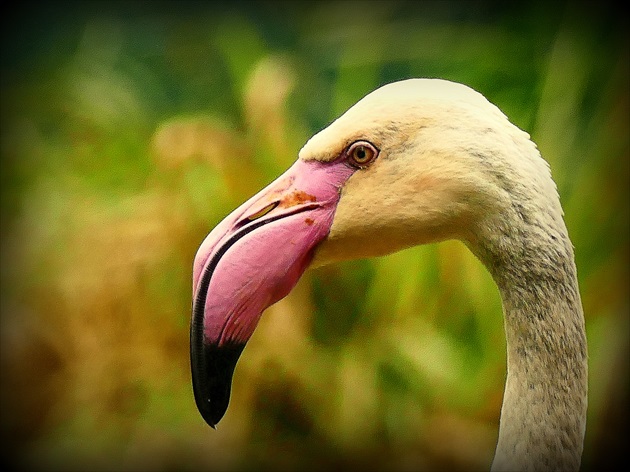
{"points": [[128, 130]]}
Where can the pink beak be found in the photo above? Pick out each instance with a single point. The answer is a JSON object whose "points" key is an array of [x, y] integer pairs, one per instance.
{"points": [[249, 261]]}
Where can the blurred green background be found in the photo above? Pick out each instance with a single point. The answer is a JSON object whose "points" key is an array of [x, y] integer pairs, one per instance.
{"points": [[128, 130]]}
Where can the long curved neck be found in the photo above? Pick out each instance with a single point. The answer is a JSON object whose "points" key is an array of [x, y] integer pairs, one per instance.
{"points": [[543, 417]]}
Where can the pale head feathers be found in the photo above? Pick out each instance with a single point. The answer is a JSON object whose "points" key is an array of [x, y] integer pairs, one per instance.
{"points": [[407, 105], [450, 165]]}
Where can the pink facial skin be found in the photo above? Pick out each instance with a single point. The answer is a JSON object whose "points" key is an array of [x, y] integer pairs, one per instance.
{"points": [[252, 259]]}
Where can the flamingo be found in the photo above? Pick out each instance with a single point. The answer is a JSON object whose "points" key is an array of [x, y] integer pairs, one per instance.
{"points": [[414, 162]]}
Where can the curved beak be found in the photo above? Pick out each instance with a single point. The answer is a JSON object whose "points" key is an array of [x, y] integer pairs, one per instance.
{"points": [[249, 261]]}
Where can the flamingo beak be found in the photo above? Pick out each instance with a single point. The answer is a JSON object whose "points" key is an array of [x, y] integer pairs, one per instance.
{"points": [[249, 261]]}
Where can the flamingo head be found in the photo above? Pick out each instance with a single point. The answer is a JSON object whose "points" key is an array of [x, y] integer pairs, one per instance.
{"points": [[413, 162]]}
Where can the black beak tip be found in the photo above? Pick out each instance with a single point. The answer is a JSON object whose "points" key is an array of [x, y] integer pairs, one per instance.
{"points": [[212, 370], [212, 409]]}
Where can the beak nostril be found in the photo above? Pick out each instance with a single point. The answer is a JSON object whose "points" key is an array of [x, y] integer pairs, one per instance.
{"points": [[263, 212]]}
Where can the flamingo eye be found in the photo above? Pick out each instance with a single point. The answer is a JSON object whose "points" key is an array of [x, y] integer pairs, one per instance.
{"points": [[361, 154]]}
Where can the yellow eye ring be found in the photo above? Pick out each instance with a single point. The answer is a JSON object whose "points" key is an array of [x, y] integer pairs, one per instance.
{"points": [[361, 153]]}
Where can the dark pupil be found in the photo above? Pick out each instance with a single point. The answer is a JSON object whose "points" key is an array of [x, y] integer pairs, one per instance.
{"points": [[360, 153]]}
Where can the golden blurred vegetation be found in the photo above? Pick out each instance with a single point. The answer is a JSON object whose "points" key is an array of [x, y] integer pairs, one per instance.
{"points": [[128, 130]]}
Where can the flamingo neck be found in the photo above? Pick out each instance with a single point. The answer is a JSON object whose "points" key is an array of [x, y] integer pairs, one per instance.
{"points": [[543, 417]]}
